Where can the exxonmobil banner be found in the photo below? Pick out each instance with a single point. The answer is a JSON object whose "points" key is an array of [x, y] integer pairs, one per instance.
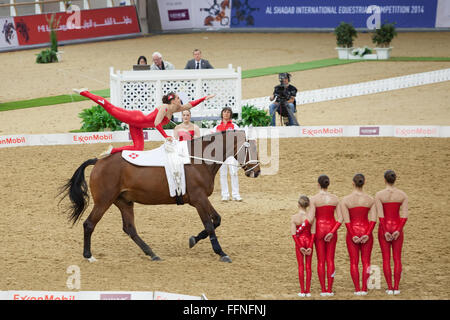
{"points": [[329, 13], [76, 24]]}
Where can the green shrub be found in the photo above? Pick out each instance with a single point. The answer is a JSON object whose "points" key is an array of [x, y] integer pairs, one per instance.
{"points": [[345, 34], [97, 119], [252, 116], [383, 36], [46, 56]]}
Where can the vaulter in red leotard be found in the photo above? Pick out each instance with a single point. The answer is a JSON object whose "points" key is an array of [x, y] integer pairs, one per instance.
{"points": [[137, 121], [359, 213], [186, 130], [322, 208], [392, 211], [303, 232]]}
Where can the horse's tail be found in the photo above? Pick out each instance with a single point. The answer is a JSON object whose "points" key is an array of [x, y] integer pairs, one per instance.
{"points": [[77, 190]]}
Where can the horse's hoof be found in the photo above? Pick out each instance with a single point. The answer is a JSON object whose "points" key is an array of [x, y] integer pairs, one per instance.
{"points": [[225, 259], [192, 242], [91, 259], [156, 258]]}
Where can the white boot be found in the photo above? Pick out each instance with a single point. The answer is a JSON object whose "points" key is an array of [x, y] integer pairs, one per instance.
{"points": [[106, 153], [390, 292], [301, 295], [80, 90], [396, 292]]}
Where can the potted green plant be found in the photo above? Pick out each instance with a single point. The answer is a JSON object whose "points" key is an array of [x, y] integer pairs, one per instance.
{"points": [[345, 34], [52, 54], [382, 37]]}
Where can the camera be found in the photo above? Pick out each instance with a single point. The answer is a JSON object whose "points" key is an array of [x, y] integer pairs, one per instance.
{"points": [[282, 76]]}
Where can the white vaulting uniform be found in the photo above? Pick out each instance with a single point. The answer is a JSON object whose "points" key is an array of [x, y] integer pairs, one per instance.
{"points": [[231, 165]]}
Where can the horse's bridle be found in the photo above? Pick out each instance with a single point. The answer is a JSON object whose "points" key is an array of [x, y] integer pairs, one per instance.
{"points": [[246, 146]]}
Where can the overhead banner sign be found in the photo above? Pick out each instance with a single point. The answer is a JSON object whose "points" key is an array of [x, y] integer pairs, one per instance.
{"points": [[71, 25], [330, 13], [199, 14]]}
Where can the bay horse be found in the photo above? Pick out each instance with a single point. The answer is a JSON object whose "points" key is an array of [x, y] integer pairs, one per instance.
{"points": [[113, 180]]}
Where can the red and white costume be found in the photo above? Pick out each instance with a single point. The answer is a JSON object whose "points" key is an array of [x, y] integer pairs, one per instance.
{"points": [[390, 223], [231, 165], [325, 224], [359, 226], [304, 239], [135, 119]]}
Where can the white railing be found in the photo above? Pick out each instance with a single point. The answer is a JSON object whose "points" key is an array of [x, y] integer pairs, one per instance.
{"points": [[143, 90], [359, 89]]}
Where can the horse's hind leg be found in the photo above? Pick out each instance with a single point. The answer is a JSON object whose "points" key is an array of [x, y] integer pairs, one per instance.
{"points": [[126, 208], [89, 226]]}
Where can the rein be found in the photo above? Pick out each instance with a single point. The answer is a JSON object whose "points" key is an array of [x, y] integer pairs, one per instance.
{"points": [[245, 145]]}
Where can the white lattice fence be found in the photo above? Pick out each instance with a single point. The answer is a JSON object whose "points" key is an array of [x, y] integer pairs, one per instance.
{"points": [[143, 90]]}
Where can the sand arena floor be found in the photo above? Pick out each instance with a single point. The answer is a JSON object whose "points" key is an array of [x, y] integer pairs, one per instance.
{"points": [[39, 244]]}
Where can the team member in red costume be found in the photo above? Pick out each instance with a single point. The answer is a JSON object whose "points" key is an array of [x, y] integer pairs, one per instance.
{"points": [[137, 121], [186, 130], [303, 232], [359, 213], [392, 210], [322, 208]]}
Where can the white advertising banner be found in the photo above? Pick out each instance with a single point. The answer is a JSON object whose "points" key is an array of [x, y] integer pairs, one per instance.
{"points": [[198, 14], [8, 34], [214, 14], [175, 14], [443, 14]]}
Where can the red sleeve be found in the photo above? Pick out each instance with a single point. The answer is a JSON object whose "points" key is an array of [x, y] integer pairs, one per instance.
{"points": [[402, 224], [196, 102], [297, 242], [350, 229], [159, 127], [336, 226], [312, 240], [370, 228]]}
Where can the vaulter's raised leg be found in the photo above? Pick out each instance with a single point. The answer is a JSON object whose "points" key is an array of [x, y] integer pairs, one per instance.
{"points": [[126, 208]]}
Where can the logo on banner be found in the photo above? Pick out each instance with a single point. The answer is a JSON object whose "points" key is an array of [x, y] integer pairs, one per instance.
{"points": [[369, 131], [178, 15], [374, 21], [416, 132], [217, 15], [145, 136], [323, 132]]}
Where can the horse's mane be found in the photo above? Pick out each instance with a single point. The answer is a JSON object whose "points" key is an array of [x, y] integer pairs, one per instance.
{"points": [[216, 134]]}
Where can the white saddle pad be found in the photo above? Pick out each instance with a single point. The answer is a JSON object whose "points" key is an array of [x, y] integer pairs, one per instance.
{"points": [[172, 156]]}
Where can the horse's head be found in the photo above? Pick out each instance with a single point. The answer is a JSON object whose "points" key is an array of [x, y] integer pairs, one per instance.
{"points": [[246, 154]]}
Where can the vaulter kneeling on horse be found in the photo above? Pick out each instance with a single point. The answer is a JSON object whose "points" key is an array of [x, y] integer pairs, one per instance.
{"points": [[137, 120]]}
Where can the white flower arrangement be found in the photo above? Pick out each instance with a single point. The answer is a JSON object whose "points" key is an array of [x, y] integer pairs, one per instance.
{"points": [[361, 51]]}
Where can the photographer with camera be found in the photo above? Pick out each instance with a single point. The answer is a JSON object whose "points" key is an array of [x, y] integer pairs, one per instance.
{"points": [[284, 104]]}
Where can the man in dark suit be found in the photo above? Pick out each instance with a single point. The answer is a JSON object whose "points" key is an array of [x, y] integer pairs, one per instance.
{"points": [[198, 62]]}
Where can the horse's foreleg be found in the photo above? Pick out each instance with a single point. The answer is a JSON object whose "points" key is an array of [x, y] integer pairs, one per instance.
{"points": [[216, 219], [205, 209], [126, 208]]}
